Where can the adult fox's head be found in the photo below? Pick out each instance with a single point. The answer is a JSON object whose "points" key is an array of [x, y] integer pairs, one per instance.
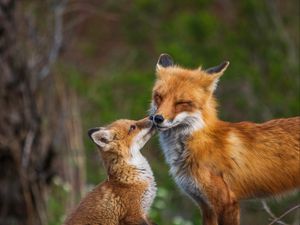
{"points": [[183, 98]]}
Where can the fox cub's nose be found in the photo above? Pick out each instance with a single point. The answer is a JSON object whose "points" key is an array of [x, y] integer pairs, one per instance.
{"points": [[158, 119]]}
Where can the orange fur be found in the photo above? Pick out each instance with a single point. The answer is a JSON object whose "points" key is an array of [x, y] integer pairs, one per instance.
{"points": [[119, 199], [226, 162]]}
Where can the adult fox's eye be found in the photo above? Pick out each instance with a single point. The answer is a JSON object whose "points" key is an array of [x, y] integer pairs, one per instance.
{"points": [[157, 99], [186, 103]]}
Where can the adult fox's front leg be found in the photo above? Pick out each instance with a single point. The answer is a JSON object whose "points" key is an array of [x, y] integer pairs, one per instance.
{"points": [[209, 215], [220, 206], [229, 216]]}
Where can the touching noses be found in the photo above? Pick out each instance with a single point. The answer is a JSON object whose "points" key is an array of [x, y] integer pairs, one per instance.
{"points": [[158, 119]]}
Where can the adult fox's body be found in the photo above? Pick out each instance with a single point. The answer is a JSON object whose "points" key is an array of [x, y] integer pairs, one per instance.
{"points": [[255, 159], [219, 163]]}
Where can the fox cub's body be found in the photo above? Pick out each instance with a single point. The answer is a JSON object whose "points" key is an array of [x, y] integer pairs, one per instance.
{"points": [[126, 196], [219, 163]]}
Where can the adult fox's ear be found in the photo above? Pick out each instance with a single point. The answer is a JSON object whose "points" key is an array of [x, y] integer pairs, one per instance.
{"points": [[101, 137], [215, 73], [219, 69], [164, 61]]}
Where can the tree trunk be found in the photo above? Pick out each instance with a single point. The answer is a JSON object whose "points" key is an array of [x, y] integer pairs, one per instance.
{"points": [[22, 162]]}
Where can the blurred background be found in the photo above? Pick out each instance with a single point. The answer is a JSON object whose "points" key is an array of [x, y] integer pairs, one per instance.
{"points": [[69, 65]]}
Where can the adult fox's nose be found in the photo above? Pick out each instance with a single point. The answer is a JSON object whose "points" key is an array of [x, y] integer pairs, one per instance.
{"points": [[158, 119]]}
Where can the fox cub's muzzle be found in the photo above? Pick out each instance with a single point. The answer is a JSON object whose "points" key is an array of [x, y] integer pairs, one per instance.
{"points": [[144, 123]]}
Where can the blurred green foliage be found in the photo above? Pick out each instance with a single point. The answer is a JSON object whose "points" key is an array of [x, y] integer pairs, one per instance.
{"points": [[112, 60]]}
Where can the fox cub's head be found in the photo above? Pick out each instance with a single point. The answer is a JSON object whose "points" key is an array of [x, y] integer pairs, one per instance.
{"points": [[123, 138], [182, 98]]}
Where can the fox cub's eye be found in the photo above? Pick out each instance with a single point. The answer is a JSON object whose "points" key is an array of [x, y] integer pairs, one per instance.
{"points": [[132, 127]]}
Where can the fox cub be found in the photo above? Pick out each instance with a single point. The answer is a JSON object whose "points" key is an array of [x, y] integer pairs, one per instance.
{"points": [[127, 194], [218, 163]]}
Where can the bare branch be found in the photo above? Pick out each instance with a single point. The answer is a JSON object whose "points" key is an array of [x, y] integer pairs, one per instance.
{"points": [[284, 214], [57, 38], [271, 214]]}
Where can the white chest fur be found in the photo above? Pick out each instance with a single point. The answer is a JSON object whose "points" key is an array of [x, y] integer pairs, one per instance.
{"points": [[175, 152], [145, 174]]}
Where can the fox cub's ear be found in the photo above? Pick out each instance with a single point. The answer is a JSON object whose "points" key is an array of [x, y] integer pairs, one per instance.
{"points": [[164, 61], [101, 137], [215, 73]]}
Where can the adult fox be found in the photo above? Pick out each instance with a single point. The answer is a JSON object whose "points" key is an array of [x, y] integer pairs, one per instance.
{"points": [[218, 163]]}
